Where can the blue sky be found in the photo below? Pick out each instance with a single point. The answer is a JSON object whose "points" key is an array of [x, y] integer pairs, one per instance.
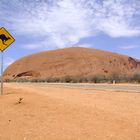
{"points": [[38, 25]]}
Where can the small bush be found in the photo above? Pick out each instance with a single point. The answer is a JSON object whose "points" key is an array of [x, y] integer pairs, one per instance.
{"points": [[136, 77], [20, 100]]}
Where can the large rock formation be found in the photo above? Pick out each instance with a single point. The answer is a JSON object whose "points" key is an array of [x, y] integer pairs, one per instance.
{"points": [[73, 61]]}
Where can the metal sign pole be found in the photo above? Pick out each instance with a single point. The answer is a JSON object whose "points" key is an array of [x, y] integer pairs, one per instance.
{"points": [[5, 41], [1, 72]]}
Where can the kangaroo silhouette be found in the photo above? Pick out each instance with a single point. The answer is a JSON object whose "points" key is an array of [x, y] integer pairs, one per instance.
{"points": [[3, 38]]}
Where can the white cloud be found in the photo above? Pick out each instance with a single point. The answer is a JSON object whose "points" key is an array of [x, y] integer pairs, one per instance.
{"points": [[8, 61], [128, 47], [118, 19], [63, 23], [85, 45]]}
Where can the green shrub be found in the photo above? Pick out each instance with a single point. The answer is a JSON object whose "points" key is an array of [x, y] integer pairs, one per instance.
{"points": [[136, 77], [84, 79]]}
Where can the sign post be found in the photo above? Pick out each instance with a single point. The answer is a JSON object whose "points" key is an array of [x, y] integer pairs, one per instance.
{"points": [[1, 73], [5, 41]]}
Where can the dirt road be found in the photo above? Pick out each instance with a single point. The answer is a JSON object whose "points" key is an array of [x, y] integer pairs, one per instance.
{"points": [[104, 87], [62, 113]]}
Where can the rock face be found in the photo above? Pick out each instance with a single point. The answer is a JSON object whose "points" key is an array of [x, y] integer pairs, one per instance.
{"points": [[73, 61]]}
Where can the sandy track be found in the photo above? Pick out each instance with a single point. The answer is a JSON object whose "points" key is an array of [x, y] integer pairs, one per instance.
{"points": [[102, 86], [59, 113]]}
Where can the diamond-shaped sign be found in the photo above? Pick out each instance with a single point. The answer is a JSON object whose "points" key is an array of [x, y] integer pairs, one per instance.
{"points": [[5, 39]]}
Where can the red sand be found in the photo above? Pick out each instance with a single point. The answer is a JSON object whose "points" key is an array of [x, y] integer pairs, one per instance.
{"points": [[58, 113]]}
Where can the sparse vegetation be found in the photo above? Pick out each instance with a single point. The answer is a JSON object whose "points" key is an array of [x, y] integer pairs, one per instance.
{"points": [[20, 100], [136, 78], [82, 79]]}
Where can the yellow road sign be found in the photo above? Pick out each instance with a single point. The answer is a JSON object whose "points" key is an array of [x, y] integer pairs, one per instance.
{"points": [[5, 39]]}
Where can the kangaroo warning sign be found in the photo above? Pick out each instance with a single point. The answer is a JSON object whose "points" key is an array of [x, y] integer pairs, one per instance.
{"points": [[5, 39]]}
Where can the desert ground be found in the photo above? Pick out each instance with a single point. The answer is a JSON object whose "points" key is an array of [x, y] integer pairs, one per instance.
{"points": [[70, 112]]}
